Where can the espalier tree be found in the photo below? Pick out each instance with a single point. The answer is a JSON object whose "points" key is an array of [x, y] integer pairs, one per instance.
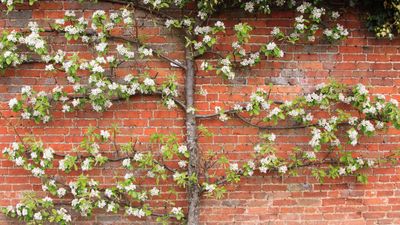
{"points": [[92, 84]]}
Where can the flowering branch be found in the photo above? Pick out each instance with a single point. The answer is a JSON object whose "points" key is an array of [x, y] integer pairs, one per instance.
{"points": [[135, 4], [186, 169]]}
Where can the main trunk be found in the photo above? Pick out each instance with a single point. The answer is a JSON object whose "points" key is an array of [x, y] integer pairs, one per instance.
{"points": [[191, 140]]}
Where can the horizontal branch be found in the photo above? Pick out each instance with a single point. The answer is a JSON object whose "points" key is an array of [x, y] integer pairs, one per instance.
{"points": [[137, 42], [119, 159], [180, 103], [271, 127], [223, 180], [116, 38], [231, 111], [123, 201], [208, 116], [136, 5]]}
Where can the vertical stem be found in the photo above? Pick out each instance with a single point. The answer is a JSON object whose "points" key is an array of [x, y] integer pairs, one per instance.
{"points": [[191, 141]]}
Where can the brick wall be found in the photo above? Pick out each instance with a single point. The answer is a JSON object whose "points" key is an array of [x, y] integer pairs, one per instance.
{"points": [[269, 199]]}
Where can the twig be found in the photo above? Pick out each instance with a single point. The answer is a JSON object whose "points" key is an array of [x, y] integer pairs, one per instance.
{"points": [[118, 99], [231, 111], [137, 42], [272, 127], [136, 5], [15, 129]]}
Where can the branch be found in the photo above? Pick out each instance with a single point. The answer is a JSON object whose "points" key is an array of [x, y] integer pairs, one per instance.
{"points": [[231, 111], [14, 128], [272, 127], [198, 55], [207, 116], [137, 42], [129, 40], [123, 200], [136, 5], [79, 154], [118, 159], [223, 180], [119, 99]]}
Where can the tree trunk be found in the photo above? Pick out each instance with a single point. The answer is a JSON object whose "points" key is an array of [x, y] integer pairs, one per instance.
{"points": [[191, 140]]}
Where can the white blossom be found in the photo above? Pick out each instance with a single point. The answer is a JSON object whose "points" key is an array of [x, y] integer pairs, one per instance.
{"points": [[206, 39], [335, 15], [70, 13], [48, 153], [108, 193], [105, 134], [257, 148], [130, 187], [168, 23], [176, 210], [310, 155], [61, 192], [37, 216], [282, 169], [49, 67], [275, 31], [13, 102], [182, 149], [209, 187], [361, 89], [126, 162], [170, 103], [271, 46], [198, 45], [138, 157], [101, 204], [394, 102], [154, 191], [352, 133], [234, 167], [271, 137], [219, 24], [370, 163], [24, 212], [66, 108], [367, 125], [110, 207], [149, 82], [101, 47], [380, 125], [26, 90], [202, 15], [76, 102], [317, 12], [182, 163], [204, 65], [223, 117], [85, 164], [19, 161], [37, 172], [249, 7], [315, 140], [342, 171], [274, 112]]}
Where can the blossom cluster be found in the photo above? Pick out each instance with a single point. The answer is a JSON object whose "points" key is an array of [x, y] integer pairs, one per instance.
{"points": [[87, 193], [338, 32], [207, 36], [10, 40], [324, 131], [99, 93], [10, 4]]}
